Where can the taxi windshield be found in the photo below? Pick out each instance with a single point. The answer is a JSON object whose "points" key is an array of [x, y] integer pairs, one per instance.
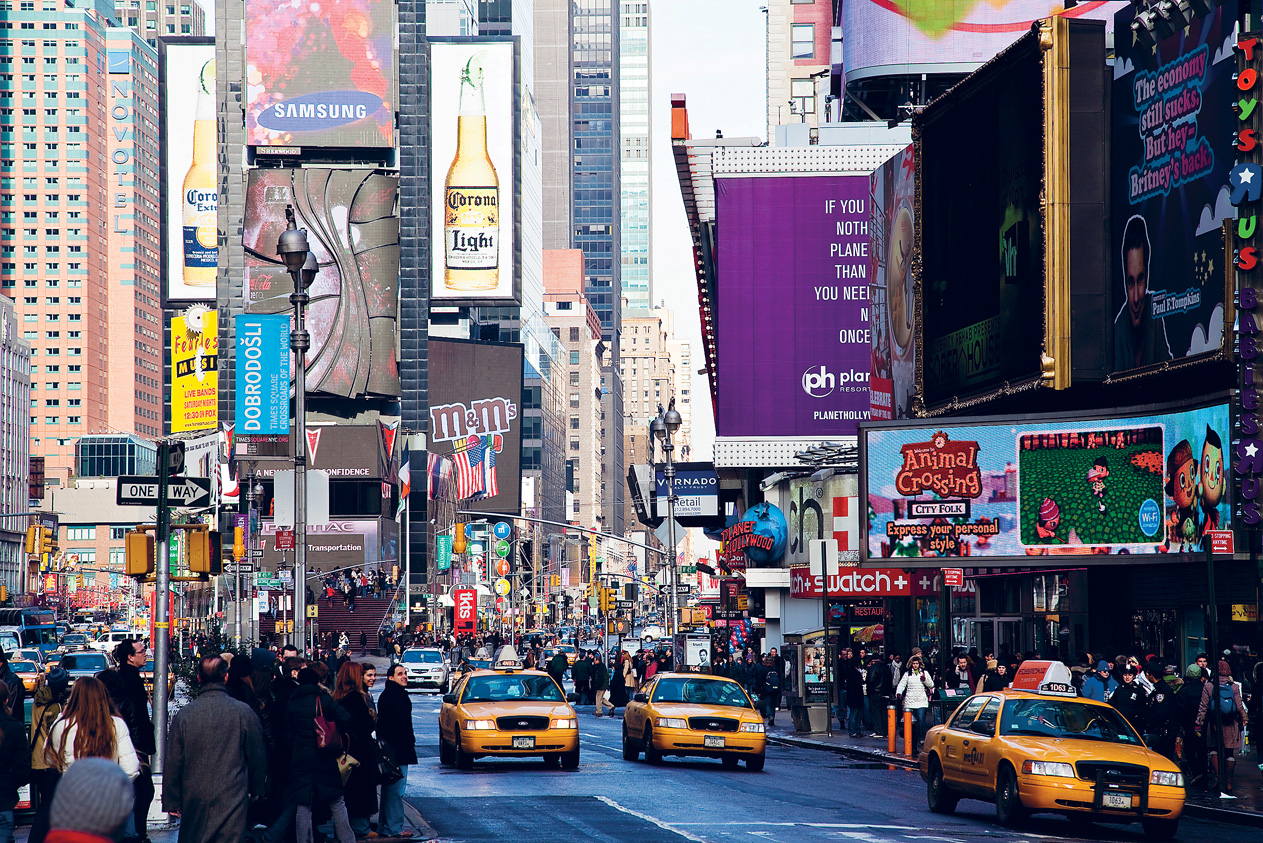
{"points": [[512, 687], [1066, 719], [700, 691]]}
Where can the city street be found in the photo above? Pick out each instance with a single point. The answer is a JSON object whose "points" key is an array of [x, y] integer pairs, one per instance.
{"points": [[803, 795]]}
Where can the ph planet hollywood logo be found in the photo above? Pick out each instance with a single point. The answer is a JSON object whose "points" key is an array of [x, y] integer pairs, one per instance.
{"points": [[1245, 185]]}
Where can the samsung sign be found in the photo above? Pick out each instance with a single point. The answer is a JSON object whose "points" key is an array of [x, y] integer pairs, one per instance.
{"points": [[696, 489], [325, 110]]}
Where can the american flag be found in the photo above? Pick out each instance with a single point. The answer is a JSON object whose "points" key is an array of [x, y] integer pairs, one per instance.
{"points": [[438, 473], [469, 471], [490, 488]]}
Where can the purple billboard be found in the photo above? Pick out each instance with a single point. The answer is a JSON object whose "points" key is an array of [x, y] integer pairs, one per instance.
{"points": [[794, 340]]}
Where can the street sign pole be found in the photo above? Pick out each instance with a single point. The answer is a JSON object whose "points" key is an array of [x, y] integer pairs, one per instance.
{"points": [[162, 619]]}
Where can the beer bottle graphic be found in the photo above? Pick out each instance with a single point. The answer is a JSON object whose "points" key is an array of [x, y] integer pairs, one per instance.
{"points": [[471, 219], [201, 191]]}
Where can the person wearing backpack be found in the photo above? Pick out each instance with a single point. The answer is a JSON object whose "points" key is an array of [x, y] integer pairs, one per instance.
{"points": [[771, 690], [1222, 698]]}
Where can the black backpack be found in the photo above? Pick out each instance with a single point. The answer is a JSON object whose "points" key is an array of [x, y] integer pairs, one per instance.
{"points": [[772, 681]]}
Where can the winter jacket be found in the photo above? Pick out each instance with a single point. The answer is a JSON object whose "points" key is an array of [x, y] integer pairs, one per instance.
{"points": [[313, 773], [15, 760], [1094, 688], [394, 724], [124, 751], [361, 787], [138, 723], [44, 714], [879, 682], [1130, 699], [915, 689]]}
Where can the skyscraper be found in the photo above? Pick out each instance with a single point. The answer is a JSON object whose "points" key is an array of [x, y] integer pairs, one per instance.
{"points": [[636, 167], [153, 20]]}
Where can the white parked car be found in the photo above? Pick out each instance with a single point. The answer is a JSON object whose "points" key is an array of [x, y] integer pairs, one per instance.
{"points": [[426, 668]]}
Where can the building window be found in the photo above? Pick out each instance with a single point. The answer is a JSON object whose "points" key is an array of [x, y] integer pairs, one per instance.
{"points": [[574, 422], [574, 400], [80, 534], [574, 378], [802, 95], [574, 358], [574, 334], [574, 444], [803, 36]]}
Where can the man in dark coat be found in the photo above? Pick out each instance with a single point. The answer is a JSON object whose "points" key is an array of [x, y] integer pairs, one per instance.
{"points": [[215, 761], [394, 728], [557, 667], [881, 691], [131, 655], [17, 690], [582, 675]]}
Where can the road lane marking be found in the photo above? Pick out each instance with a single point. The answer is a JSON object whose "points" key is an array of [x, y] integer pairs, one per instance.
{"points": [[659, 823], [863, 826]]}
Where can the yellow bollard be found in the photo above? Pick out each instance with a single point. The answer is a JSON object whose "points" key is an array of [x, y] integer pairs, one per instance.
{"points": [[892, 726], [907, 735]]}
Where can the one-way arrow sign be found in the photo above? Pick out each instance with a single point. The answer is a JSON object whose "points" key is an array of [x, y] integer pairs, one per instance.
{"points": [[181, 491]]}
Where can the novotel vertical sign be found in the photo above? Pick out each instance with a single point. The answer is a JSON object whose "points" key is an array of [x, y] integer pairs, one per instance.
{"points": [[466, 604], [262, 368]]}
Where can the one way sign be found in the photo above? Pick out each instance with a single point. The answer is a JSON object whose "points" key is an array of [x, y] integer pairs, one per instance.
{"points": [[181, 491]]}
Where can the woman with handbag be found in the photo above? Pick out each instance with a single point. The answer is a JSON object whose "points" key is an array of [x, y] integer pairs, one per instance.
{"points": [[361, 784], [314, 726], [914, 691]]}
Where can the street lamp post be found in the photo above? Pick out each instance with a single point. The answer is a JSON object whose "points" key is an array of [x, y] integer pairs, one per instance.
{"points": [[301, 264], [664, 427]]}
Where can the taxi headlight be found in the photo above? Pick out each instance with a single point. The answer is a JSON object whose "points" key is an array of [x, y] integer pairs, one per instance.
{"points": [[1167, 778], [671, 722], [480, 724], [751, 727], [1048, 768], [566, 723]]}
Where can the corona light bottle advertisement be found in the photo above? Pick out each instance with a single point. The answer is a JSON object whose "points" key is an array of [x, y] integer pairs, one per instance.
{"points": [[473, 175]]}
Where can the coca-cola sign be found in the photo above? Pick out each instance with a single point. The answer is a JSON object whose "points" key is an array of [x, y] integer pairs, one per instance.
{"points": [[466, 600], [852, 582]]}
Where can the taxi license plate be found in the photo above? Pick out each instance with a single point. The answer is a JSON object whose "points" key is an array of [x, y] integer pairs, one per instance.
{"points": [[527, 742], [713, 742], [1116, 800]]}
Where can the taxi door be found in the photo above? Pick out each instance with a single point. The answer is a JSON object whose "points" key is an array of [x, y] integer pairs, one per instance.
{"points": [[953, 738], [636, 714], [980, 752], [447, 713]]}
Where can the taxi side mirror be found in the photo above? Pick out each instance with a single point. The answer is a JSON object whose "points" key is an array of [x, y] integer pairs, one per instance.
{"points": [[641, 698], [983, 727], [449, 699]]}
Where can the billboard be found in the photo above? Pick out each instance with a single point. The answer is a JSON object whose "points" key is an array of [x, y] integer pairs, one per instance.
{"points": [[352, 222], [696, 487], [794, 347], [954, 36], [465, 601], [1170, 156], [320, 75], [195, 371], [190, 170], [892, 197], [473, 114], [982, 273], [1143, 484], [262, 369], [476, 421]]}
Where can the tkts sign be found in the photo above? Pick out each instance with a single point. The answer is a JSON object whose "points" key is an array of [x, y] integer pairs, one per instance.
{"points": [[466, 603], [1245, 185], [948, 468]]}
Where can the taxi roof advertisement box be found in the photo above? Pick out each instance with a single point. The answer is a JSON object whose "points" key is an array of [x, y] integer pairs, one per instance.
{"points": [[320, 75], [793, 345]]}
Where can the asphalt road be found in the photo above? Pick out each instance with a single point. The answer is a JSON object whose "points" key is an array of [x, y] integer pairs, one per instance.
{"points": [[802, 795]]}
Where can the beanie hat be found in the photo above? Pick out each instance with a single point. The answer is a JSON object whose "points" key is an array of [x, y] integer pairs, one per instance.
{"points": [[1193, 671], [94, 796], [1224, 669], [1102, 665]]}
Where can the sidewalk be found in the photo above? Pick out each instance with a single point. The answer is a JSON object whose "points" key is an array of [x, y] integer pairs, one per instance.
{"points": [[1245, 809]]}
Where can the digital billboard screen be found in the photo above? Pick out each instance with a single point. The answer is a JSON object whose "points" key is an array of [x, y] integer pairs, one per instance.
{"points": [[320, 74], [476, 420], [262, 375], [982, 272], [190, 171], [352, 223], [1144, 484], [954, 36], [892, 189], [1171, 152], [794, 349], [195, 371], [473, 114]]}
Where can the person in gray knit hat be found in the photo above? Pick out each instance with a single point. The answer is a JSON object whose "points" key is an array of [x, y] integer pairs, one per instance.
{"points": [[93, 801]]}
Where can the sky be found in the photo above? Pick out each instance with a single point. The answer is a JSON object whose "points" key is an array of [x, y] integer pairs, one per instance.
{"points": [[712, 51]]}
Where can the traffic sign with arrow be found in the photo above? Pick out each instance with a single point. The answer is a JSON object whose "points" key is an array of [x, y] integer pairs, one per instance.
{"points": [[143, 491]]}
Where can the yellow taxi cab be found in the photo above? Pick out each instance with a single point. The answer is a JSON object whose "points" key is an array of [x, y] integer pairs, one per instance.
{"points": [[29, 672], [568, 651], [694, 714], [509, 712], [146, 676], [1038, 747]]}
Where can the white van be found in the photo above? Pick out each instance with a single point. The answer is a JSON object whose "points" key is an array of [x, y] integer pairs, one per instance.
{"points": [[109, 640]]}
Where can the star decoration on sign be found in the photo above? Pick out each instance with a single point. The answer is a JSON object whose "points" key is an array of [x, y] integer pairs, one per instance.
{"points": [[1251, 449]]}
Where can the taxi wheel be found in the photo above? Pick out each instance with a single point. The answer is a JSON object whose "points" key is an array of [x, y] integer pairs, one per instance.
{"points": [[754, 763], [1159, 829], [941, 798], [1008, 803], [730, 762], [652, 755], [552, 760], [630, 750], [445, 753], [464, 761], [570, 760]]}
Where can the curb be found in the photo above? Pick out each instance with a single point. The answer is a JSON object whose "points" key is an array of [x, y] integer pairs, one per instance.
{"points": [[426, 831], [1191, 809]]}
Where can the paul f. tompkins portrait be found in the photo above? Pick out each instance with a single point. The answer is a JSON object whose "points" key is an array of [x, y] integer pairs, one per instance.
{"points": [[1139, 338]]}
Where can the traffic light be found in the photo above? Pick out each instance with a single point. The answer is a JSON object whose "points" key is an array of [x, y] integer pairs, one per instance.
{"points": [[458, 538], [32, 540], [79, 581], [607, 600], [204, 552], [49, 537], [138, 550], [238, 543]]}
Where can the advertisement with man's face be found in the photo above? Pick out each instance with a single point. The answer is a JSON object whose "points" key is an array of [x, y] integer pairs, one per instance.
{"points": [[1171, 152], [1151, 484], [893, 198]]}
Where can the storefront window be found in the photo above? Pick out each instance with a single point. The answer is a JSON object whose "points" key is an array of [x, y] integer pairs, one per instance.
{"points": [[927, 636]]}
